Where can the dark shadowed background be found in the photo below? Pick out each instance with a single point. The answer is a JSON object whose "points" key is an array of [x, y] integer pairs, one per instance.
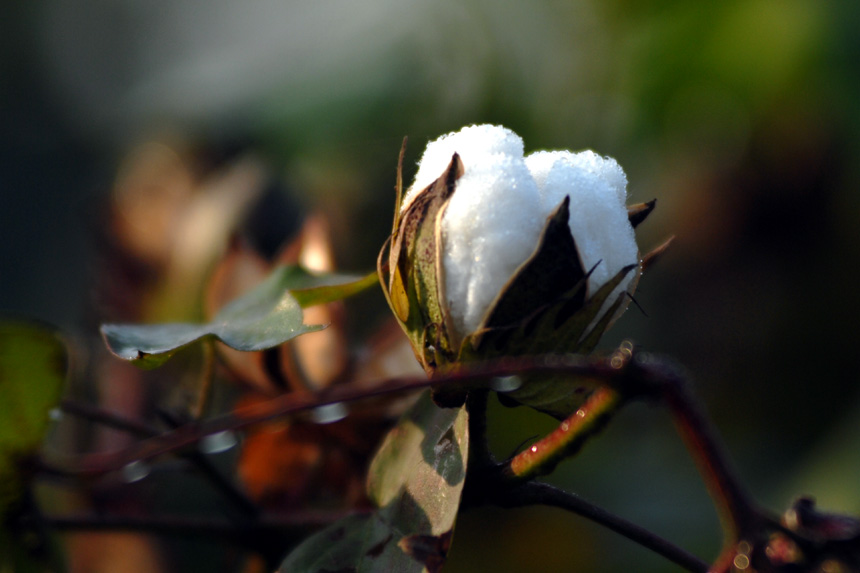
{"points": [[741, 117]]}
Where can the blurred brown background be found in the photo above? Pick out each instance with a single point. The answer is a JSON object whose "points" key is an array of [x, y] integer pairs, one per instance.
{"points": [[741, 117]]}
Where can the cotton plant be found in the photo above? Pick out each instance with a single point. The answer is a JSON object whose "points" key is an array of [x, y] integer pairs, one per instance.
{"points": [[504, 269], [497, 253]]}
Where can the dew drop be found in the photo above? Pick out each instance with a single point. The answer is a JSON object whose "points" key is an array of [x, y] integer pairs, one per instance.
{"points": [[505, 383], [329, 413], [217, 443], [135, 471], [534, 449], [565, 426]]}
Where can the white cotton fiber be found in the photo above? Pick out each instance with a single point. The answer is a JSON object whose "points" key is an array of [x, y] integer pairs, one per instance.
{"points": [[597, 188], [491, 226], [474, 143]]}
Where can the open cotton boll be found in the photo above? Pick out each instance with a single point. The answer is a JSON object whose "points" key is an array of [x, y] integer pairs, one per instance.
{"points": [[598, 222], [489, 261], [474, 144], [490, 227], [494, 219]]}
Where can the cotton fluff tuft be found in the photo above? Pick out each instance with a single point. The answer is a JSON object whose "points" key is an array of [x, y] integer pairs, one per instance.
{"points": [[474, 143], [495, 217], [490, 227], [598, 221]]}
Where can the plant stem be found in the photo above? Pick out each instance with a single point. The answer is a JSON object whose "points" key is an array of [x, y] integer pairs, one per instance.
{"points": [[479, 450], [738, 512], [108, 418], [204, 391], [246, 508], [474, 375], [624, 376], [140, 429], [542, 457], [536, 493]]}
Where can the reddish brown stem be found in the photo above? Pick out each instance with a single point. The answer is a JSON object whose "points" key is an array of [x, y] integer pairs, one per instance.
{"points": [[94, 465], [738, 512], [536, 493]]}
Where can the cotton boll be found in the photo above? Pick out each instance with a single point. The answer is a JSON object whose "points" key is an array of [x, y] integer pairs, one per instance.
{"points": [[597, 188], [471, 256], [473, 143], [490, 227]]}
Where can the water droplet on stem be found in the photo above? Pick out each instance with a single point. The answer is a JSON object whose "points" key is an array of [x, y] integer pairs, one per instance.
{"points": [[329, 413], [505, 383], [135, 471], [217, 443]]}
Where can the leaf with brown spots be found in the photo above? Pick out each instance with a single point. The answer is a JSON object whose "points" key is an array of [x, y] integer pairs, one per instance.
{"points": [[415, 480]]}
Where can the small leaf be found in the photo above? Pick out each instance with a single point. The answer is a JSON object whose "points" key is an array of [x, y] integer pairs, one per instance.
{"points": [[150, 346], [416, 480], [311, 290], [265, 317]]}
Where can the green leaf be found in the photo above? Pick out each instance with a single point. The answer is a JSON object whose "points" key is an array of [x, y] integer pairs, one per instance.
{"points": [[311, 289], [416, 480], [267, 316], [33, 369], [423, 456]]}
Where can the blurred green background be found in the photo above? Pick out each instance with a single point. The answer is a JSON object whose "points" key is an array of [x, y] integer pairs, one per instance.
{"points": [[741, 117]]}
